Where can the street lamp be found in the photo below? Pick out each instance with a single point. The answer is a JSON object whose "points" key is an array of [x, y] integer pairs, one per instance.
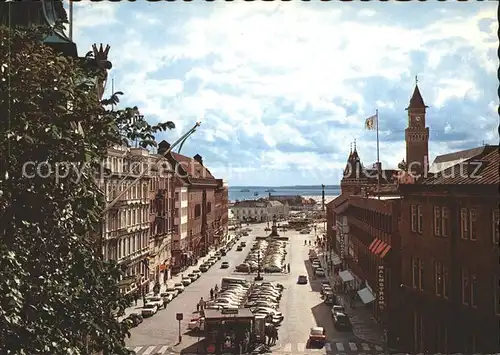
{"points": [[258, 277]]}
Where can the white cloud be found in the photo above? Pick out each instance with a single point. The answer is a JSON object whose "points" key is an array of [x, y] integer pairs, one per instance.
{"points": [[301, 76]]}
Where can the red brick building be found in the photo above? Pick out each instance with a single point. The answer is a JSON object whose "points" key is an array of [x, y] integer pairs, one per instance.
{"points": [[202, 188], [449, 244], [221, 217]]}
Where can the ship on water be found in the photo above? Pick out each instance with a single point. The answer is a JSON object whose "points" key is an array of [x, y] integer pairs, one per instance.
{"points": [[245, 190], [270, 190]]}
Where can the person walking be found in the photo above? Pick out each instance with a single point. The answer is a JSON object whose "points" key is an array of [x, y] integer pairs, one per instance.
{"points": [[165, 303], [288, 267], [201, 304], [211, 293]]}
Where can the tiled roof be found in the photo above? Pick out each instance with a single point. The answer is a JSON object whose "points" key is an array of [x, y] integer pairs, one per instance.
{"points": [[192, 167], [482, 168], [251, 203], [445, 161]]}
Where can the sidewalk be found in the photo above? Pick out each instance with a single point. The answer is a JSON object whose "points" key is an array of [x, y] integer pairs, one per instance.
{"points": [[170, 282], [364, 325]]}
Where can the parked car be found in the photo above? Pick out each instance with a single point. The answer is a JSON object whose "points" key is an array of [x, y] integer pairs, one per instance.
{"points": [[204, 267], [193, 277], [149, 310], [197, 272], [239, 248], [197, 324], [157, 301], [174, 292], [341, 321], [167, 296], [224, 265], [337, 309], [320, 272], [317, 336], [179, 287], [302, 280], [135, 318], [243, 244], [186, 281]]}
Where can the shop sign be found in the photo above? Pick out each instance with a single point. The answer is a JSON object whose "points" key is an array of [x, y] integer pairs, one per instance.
{"points": [[381, 287], [342, 246]]}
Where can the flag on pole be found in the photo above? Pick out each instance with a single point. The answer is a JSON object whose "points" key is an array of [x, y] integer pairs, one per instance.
{"points": [[371, 122]]}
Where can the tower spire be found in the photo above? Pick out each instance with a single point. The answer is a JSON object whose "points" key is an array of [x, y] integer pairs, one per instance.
{"points": [[350, 148], [354, 144], [416, 79]]}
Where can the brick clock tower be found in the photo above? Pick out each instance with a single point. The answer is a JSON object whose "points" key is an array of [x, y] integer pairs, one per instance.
{"points": [[417, 136]]}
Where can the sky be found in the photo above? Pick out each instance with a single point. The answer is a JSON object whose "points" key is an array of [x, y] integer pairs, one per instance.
{"points": [[283, 89]]}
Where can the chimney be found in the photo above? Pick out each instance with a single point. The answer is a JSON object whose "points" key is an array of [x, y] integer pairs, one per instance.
{"points": [[198, 158], [163, 147]]}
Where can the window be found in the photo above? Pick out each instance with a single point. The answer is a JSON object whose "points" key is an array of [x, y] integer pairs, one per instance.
{"points": [[496, 226], [197, 211], [496, 297], [437, 220], [413, 218], [176, 196], [473, 224], [420, 221], [473, 290], [465, 287], [444, 221], [446, 281], [421, 274], [209, 207], [464, 223], [438, 278], [414, 272]]}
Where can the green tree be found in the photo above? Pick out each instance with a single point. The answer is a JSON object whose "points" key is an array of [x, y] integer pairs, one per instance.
{"points": [[57, 296]]}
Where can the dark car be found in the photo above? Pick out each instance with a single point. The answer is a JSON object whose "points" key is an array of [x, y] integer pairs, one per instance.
{"points": [[204, 267], [135, 318], [302, 280], [239, 248], [223, 252], [224, 265], [341, 321]]}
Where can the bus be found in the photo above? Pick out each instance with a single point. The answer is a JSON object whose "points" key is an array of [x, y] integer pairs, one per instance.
{"points": [[226, 281]]}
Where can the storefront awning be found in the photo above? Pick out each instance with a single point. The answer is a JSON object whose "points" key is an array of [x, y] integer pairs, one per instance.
{"points": [[336, 260], [366, 295], [379, 247], [346, 276]]}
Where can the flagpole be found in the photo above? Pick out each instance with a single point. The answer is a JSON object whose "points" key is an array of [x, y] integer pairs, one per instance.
{"points": [[378, 159]]}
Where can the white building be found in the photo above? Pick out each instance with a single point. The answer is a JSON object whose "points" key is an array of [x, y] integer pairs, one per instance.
{"points": [[180, 240], [259, 210], [125, 228]]}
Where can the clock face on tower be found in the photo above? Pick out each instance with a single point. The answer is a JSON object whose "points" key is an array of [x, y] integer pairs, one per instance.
{"points": [[417, 118]]}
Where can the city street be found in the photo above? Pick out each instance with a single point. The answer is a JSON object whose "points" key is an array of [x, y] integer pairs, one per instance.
{"points": [[301, 305]]}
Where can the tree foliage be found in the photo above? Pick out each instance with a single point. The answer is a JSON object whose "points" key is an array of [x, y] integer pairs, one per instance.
{"points": [[57, 296]]}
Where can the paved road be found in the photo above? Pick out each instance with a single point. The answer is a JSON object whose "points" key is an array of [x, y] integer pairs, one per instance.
{"points": [[161, 331], [301, 304]]}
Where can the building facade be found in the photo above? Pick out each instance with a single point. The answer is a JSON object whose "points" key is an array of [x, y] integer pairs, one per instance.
{"points": [[450, 274], [195, 217], [221, 218], [126, 225], [259, 210]]}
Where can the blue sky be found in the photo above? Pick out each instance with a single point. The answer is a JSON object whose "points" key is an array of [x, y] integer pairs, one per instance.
{"points": [[282, 89]]}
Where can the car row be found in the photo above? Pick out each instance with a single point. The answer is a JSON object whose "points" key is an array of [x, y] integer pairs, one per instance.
{"points": [[270, 254], [263, 299], [316, 264]]}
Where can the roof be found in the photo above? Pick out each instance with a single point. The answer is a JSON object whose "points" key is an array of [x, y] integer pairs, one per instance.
{"points": [[445, 161], [192, 167], [416, 100], [479, 169], [215, 313], [275, 203], [251, 203]]}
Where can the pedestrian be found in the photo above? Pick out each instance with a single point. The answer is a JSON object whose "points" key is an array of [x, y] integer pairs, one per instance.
{"points": [[201, 304], [288, 266], [136, 297], [165, 304], [211, 293], [198, 307]]}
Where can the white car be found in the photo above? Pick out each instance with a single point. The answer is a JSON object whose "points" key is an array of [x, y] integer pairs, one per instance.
{"points": [[179, 287], [167, 296], [197, 324], [186, 281], [320, 272], [337, 309], [149, 310], [157, 301], [173, 291]]}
